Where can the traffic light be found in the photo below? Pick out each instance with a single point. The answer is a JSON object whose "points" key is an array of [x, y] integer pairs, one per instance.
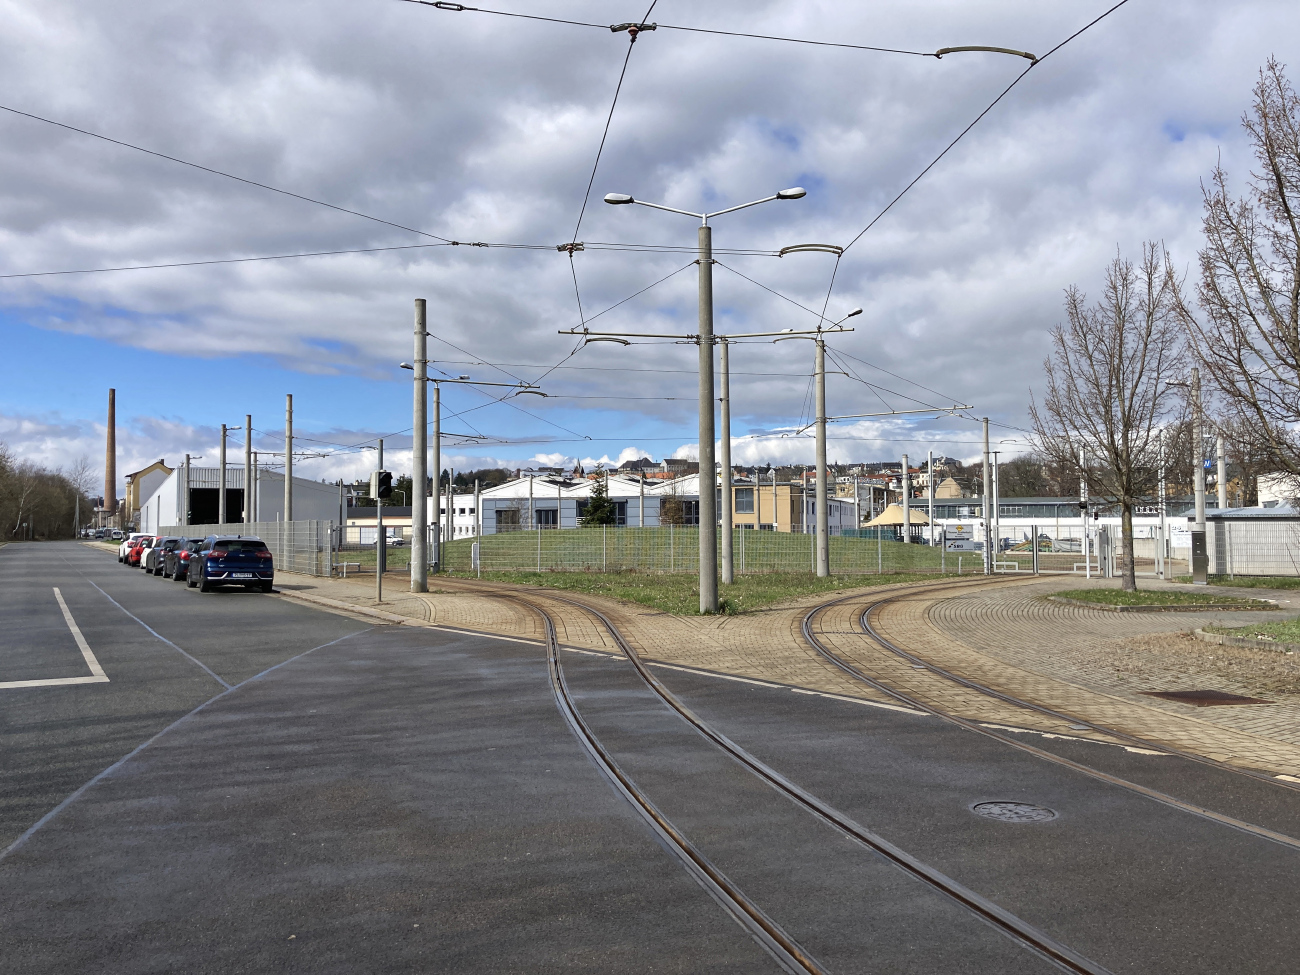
{"points": [[381, 485]]}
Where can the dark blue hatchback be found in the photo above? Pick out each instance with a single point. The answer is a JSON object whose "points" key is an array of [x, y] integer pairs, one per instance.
{"points": [[232, 560]]}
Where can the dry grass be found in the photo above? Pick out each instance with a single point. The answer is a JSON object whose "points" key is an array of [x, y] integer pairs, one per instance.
{"points": [[1179, 661]]}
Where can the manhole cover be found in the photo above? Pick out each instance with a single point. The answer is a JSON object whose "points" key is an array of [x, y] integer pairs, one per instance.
{"points": [[1013, 812], [1206, 699]]}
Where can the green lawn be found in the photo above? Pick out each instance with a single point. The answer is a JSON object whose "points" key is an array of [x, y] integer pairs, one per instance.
{"points": [[1251, 582], [1149, 597], [1284, 632], [674, 550], [679, 593]]}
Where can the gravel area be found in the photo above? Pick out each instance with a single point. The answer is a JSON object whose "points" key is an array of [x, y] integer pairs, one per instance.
{"points": [[1179, 661]]}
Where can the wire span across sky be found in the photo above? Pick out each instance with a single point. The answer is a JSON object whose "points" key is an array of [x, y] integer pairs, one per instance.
{"points": [[623, 81]]}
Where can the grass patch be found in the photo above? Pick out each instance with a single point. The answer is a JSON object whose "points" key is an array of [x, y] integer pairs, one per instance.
{"points": [[1251, 582], [679, 593], [1287, 631], [1149, 597]]}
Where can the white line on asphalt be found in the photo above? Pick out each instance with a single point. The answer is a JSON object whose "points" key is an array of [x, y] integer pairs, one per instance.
{"points": [[99, 677], [211, 673]]}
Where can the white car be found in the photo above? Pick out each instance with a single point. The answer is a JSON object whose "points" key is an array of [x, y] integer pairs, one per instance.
{"points": [[126, 545]]}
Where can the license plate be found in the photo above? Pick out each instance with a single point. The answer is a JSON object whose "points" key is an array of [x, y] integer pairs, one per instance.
{"points": [[241, 575]]}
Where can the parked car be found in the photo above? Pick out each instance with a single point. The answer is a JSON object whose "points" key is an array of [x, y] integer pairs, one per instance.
{"points": [[177, 563], [118, 534], [155, 557], [232, 560], [136, 553], [127, 544]]}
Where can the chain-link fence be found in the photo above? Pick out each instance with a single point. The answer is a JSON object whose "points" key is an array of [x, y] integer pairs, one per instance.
{"points": [[676, 549], [297, 546]]}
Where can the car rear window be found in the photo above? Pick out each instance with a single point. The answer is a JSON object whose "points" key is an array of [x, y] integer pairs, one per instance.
{"points": [[239, 545]]}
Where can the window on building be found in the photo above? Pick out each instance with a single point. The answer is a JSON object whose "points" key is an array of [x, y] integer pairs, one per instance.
{"points": [[744, 501]]}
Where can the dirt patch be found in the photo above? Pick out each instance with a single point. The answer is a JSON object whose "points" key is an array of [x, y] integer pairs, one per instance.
{"points": [[1178, 661]]}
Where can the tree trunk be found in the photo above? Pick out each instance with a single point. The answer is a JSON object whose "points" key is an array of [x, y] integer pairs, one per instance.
{"points": [[1129, 578]]}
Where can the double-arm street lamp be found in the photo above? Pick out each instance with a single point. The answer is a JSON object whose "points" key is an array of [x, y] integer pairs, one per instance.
{"points": [[705, 338]]}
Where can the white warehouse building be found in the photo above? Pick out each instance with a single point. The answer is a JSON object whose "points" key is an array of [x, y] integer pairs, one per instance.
{"points": [[190, 495]]}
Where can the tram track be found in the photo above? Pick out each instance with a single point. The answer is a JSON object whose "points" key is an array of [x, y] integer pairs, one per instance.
{"points": [[791, 955], [913, 701]]}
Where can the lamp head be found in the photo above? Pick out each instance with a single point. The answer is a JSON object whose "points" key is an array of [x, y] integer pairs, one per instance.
{"points": [[793, 193], [406, 365], [618, 198], [854, 312]]}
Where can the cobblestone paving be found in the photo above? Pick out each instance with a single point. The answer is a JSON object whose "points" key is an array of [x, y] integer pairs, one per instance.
{"points": [[1012, 638]]}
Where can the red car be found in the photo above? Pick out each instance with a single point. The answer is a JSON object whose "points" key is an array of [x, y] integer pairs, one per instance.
{"points": [[136, 552]]}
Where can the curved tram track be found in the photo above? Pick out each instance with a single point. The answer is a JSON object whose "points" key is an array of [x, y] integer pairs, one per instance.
{"points": [[808, 628], [792, 956]]}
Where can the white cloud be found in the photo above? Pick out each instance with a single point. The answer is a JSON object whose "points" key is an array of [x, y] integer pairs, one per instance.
{"points": [[484, 128]]}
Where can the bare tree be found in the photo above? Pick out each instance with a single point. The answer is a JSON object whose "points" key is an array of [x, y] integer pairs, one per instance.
{"points": [[1106, 379], [1249, 290]]}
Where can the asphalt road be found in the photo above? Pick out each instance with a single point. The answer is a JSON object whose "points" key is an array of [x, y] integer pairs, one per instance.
{"points": [[331, 796]]}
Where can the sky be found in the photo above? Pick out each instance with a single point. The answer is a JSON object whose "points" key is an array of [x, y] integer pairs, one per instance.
{"points": [[475, 127]]}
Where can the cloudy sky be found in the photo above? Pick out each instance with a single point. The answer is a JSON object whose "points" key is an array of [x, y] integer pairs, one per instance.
{"points": [[484, 128]]}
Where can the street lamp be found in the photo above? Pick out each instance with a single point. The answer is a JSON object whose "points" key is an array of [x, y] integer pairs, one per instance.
{"points": [[708, 497]]}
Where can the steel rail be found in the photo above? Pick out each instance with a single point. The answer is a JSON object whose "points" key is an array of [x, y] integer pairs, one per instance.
{"points": [[1018, 930], [1154, 794], [1063, 715], [787, 952]]}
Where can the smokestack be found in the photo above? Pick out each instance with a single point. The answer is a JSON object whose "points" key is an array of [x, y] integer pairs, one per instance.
{"points": [[110, 457]]}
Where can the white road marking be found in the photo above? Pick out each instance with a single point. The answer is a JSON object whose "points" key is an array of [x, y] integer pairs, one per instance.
{"points": [[1287, 778], [99, 677]]}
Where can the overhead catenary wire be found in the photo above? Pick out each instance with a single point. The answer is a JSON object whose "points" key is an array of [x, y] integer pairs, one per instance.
{"points": [[221, 173], [991, 105]]}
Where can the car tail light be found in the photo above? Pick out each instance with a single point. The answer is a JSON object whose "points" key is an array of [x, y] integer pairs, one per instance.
{"points": [[216, 553], [265, 554]]}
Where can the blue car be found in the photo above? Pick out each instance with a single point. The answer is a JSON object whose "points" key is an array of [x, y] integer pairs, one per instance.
{"points": [[231, 560]]}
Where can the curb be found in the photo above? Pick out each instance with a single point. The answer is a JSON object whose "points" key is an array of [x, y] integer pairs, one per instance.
{"points": [[351, 607], [1200, 608], [1224, 639]]}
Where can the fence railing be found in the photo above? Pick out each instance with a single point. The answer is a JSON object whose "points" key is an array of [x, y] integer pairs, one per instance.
{"points": [[297, 546], [675, 548]]}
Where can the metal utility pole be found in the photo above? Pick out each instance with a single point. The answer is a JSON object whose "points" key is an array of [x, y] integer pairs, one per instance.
{"points": [[437, 475], [708, 499], [705, 338], [1083, 513], [110, 462], [1164, 530], [1222, 473], [905, 485], [929, 477], [1200, 552], [724, 449], [185, 502], [823, 507], [420, 457], [288, 457], [451, 498], [221, 477], [381, 543], [1198, 437], [988, 491], [248, 469], [997, 506]]}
